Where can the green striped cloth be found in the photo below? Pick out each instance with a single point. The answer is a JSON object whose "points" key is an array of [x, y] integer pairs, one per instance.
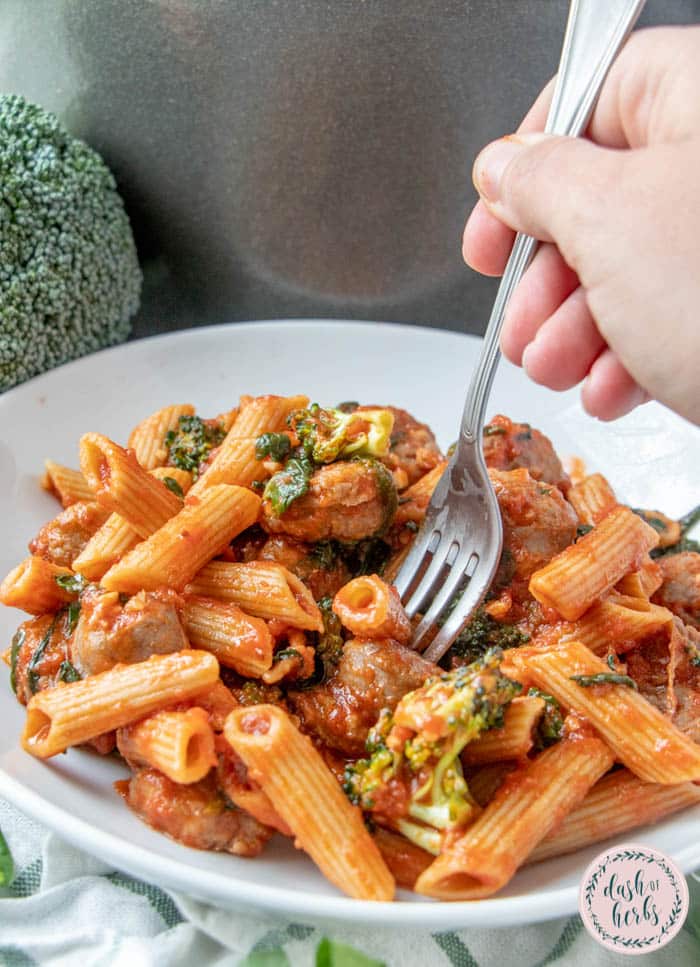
{"points": [[65, 908]]}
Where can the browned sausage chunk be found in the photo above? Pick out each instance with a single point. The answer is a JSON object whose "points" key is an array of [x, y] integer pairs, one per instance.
{"points": [[109, 632], [680, 591], [371, 676], [537, 521], [413, 446], [509, 446], [196, 815], [62, 539], [348, 500]]}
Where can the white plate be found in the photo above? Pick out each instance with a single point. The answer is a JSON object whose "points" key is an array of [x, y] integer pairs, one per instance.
{"points": [[423, 370]]}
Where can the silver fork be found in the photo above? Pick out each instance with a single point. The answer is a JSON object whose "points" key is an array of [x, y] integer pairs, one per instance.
{"points": [[459, 546]]}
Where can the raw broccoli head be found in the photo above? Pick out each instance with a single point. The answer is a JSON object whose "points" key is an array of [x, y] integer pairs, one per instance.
{"points": [[416, 750], [69, 275]]}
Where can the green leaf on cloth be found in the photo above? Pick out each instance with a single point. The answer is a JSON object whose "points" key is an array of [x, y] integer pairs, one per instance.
{"points": [[7, 867], [332, 954], [266, 958]]}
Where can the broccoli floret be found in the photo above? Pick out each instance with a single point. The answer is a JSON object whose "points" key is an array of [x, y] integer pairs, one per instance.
{"points": [[484, 632], [419, 746], [190, 445], [332, 434], [258, 693], [69, 275], [326, 435]]}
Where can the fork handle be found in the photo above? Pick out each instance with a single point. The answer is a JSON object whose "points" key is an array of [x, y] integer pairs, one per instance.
{"points": [[595, 32]]}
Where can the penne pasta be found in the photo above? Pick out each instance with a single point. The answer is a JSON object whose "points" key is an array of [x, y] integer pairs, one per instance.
{"points": [[235, 461], [177, 583], [178, 744], [69, 486], [238, 640], [532, 800], [370, 608], [146, 439], [308, 798], [642, 583], [70, 714], [640, 736], [617, 624], [175, 553], [618, 803], [236, 783], [575, 578], [261, 588], [514, 740], [124, 487], [592, 499], [32, 587], [116, 536]]}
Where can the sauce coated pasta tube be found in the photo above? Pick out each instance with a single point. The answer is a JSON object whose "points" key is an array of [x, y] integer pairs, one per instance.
{"points": [[238, 640], [147, 437], [513, 740], [641, 737], [308, 798], [69, 714], [369, 608], [616, 804], [260, 588], [116, 536], [235, 461], [592, 498], [121, 484], [70, 486], [172, 556], [32, 587], [617, 623], [580, 574], [179, 744], [530, 802]]}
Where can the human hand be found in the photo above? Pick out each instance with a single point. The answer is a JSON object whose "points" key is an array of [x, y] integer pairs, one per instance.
{"points": [[612, 297]]}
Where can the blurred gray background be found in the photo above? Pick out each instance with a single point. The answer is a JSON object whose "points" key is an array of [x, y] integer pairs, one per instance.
{"points": [[287, 158]]}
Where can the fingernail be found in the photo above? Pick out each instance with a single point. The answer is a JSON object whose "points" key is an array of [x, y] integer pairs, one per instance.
{"points": [[491, 163]]}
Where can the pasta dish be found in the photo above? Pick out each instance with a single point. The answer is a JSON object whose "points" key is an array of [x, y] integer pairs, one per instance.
{"points": [[214, 604]]}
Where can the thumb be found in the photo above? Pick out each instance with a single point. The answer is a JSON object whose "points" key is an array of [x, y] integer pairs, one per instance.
{"points": [[552, 188]]}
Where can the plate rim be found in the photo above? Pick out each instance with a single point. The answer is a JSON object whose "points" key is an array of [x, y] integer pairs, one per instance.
{"points": [[211, 328], [230, 890]]}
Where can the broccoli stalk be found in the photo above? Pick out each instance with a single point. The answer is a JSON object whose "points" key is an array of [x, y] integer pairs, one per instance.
{"points": [[69, 275], [418, 748]]}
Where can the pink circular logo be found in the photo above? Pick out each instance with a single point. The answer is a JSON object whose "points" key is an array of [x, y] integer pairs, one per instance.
{"points": [[633, 899]]}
